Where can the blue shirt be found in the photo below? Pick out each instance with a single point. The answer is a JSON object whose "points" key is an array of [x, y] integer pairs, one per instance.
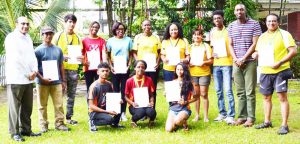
{"points": [[45, 53], [119, 47]]}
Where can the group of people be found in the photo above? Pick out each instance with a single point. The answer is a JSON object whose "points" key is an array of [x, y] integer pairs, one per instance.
{"points": [[233, 53]]}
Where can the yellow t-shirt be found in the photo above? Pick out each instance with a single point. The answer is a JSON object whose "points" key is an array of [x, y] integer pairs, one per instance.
{"points": [[60, 40], [204, 70], [279, 40], [220, 36], [182, 45], [144, 44]]}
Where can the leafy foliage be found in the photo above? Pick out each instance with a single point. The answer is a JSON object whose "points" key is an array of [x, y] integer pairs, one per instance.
{"points": [[10, 10], [295, 65], [250, 5]]}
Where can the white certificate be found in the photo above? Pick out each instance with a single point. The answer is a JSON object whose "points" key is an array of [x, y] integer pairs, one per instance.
{"points": [[266, 56], [74, 51], [120, 64], [50, 69], [172, 90], [220, 47], [94, 59], [113, 102], [197, 56], [173, 55], [141, 96], [150, 59]]}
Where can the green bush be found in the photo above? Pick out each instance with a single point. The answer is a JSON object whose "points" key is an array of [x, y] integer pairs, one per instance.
{"points": [[295, 65]]}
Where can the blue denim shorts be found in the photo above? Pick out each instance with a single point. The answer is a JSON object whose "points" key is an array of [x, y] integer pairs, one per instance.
{"points": [[188, 112]]}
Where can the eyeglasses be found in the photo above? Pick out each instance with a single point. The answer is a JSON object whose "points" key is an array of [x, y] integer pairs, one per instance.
{"points": [[24, 23]]}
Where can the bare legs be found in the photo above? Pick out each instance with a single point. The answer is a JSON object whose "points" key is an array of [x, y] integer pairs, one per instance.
{"points": [[176, 120], [203, 92], [284, 107]]}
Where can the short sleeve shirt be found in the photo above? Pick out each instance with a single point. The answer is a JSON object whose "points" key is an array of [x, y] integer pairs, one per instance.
{"points": [[280, 40], [242, 34], [99, 91], [130, 85], [92, 44], [62, 40], [215, 36], [183, 46], [146, 44], [46, 53], [202, 70], [119, 47]]}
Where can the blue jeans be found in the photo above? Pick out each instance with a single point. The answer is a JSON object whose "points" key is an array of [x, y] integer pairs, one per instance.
{"points": [[223, 82]]}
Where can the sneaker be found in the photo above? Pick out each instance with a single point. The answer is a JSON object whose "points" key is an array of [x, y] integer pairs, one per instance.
{"points": [[151, 124], [118, 126], [219, 118], [123, 117], [264, 125], [283, 130], [229, 120], [44, 129], [93, 128], [72, 122], [17, 137], [62, 128], [133, 124]]}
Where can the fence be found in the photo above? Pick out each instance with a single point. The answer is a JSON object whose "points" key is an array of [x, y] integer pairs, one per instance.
{"points": [[2, 71]]}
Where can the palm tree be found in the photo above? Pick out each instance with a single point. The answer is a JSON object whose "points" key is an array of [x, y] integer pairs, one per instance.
{"points": [[10, 10]]}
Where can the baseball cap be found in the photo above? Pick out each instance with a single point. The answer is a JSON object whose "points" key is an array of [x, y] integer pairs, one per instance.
{"points": [[47, 29]]}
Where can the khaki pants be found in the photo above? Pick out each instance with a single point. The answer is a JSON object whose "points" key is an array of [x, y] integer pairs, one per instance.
{"points": [[56, 93]]}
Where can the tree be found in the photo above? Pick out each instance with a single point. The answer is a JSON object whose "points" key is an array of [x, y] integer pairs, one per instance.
{"points": [[10, 10], [109, 15]]}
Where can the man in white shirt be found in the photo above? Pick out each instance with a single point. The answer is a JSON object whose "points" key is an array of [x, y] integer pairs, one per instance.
{"points": [[21, 67]]}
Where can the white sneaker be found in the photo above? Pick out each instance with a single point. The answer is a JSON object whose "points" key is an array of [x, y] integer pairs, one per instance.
{"points": [[219, 118], [123, 117], [229, 120]]}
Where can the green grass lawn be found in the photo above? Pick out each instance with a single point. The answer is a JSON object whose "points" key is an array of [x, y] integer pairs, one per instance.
{"points": [[200, 132]]}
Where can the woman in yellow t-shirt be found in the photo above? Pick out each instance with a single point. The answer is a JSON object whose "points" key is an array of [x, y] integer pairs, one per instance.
{"points": [[201, 59], [175, 49]]}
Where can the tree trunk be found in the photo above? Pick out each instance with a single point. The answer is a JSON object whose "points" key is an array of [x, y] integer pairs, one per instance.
{"points": [[131, 18], [220, 4], [109, 16]]}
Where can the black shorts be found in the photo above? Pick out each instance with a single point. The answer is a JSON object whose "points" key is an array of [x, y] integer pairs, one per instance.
{"points": [[271, 82]]}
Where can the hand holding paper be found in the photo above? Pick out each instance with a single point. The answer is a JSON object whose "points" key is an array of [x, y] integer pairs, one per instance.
{"points": [[141, 96], [113, 102], [172, 90]]}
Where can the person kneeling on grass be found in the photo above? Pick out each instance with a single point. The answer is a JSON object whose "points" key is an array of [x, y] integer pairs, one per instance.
{"points": [[139, 81], [179, 112], [97, 101]]}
